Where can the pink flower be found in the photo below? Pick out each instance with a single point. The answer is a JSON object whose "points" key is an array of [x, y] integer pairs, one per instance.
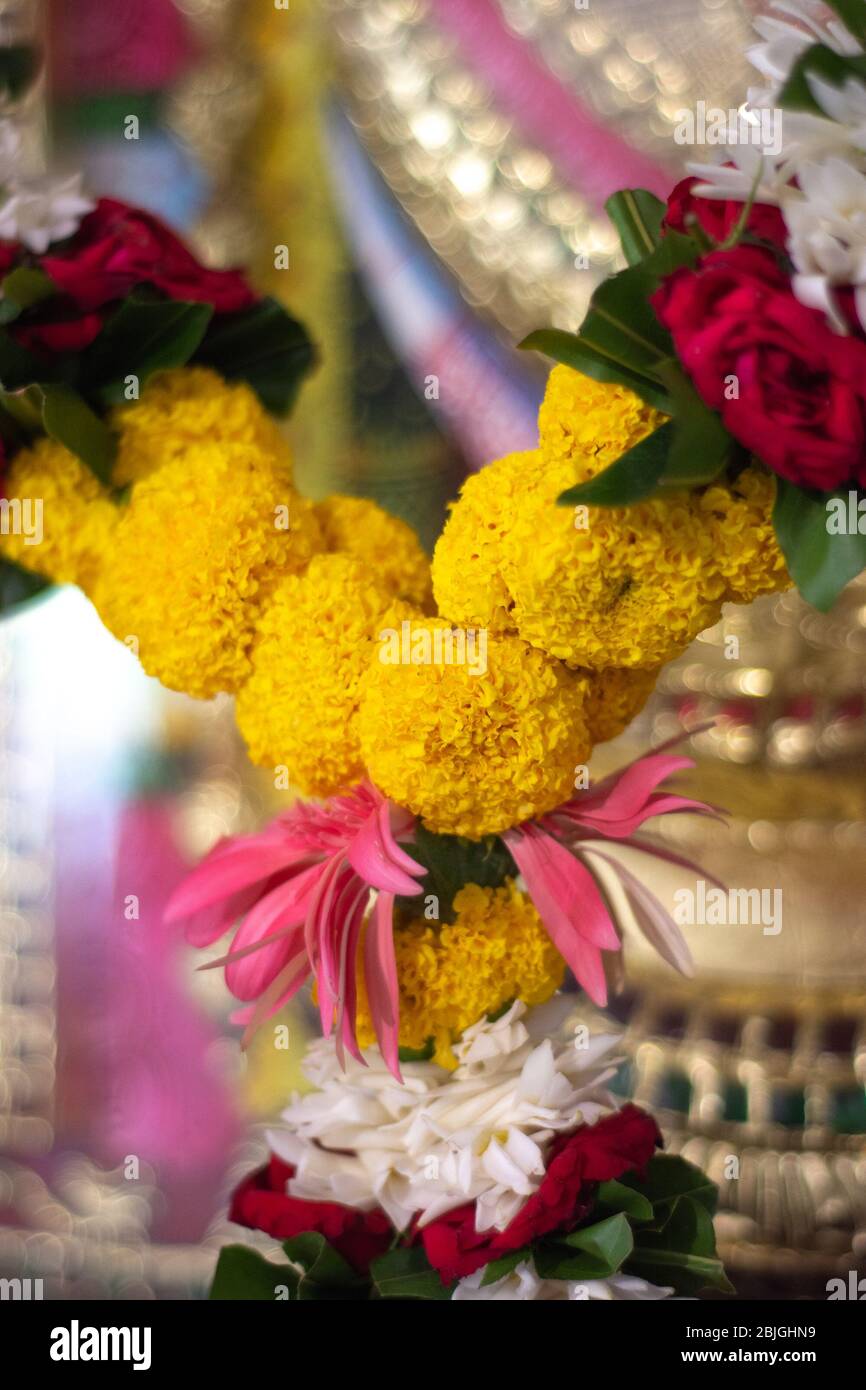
{"points": [[304, 884], [550, 855]]}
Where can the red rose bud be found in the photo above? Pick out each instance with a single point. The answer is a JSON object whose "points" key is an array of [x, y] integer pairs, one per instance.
{"points": [[117, 247], [719, 216], [786, 386], [618, 1144], [262, 1203]]}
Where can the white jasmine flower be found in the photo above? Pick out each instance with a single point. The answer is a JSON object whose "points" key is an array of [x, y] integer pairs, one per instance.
{"points": [[523, 1285], [43, 210], [784, 42], [480, 1133]]}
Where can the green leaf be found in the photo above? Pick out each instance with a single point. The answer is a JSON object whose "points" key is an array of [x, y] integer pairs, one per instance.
{"points": [[823, 62], [621, 329], [66, 417], [683, 1254], [22, 289], [572, 351], [636, 474], [452, 862], [407, 1273], [852, 14], [326, 1275], [593, 1252], [144, 336], [616, 1196], [18, 366], [498, 1269], [263, 346], [19, 586], [669, 1177], [637, 216], [820, 563], [701, 446], [243, 1275]]}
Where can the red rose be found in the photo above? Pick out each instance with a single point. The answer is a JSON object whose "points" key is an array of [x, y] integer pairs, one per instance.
{"points": [[798, 390], [117, 247], [620, 1143], [59, 336], [719, 216], [262, 1203]]}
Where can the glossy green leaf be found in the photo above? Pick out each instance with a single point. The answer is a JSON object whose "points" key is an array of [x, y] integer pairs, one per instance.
{"points": [[242, 1275], [263, 346], [506, 1264], [144, 336], [636, 474], [700, 446], [637, 216], [407, 1273], [668, 1177], [616, 1196], [593, 1252], [571, 350], [820, 562], [683, 1254], [326, 1275], [66, 417]]}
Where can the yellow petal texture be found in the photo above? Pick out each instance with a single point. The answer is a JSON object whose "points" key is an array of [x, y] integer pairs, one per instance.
{"points": [[741, 522], [388, 547], [615, 697], [591, 423], [496, 950], [314, 641], [470, 554], [187, 406], [473, 753], [78, 518], [199, 549]]}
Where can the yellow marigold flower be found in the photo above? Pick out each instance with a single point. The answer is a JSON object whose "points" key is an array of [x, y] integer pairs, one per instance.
{"points": [[598, 587], [314, 640], [746, 551], [189, 405], [615, 697], [476, 746], [199, 549], [470, 553], [611, 586], [496, 950], [388, 547], [78, 518], [591, 423]]}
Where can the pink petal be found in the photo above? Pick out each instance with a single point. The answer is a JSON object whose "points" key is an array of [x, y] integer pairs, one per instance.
{"points": [[657, 925], [569, 904], [231, 866], [377, 858], [380, 975], [248, 975]]}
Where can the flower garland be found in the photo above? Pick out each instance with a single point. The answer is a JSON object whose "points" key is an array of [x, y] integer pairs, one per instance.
{"points": [[460, 1141], [742, 318]]}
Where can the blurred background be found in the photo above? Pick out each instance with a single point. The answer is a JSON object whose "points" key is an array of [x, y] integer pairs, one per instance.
{"points": [[437, 170]]}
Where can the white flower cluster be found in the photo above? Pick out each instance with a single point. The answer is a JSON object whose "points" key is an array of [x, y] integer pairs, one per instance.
{"points": [[812, 167], [39, 210], [442, 1139]]}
